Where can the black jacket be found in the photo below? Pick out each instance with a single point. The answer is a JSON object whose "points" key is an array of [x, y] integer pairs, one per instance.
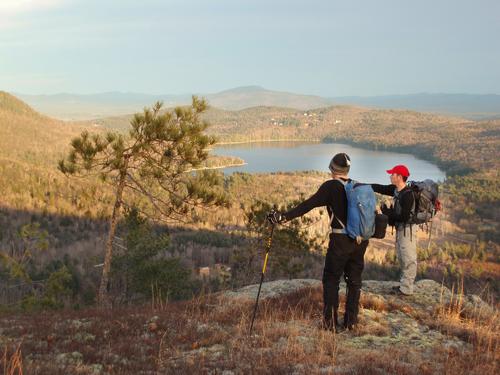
{"points": [[403, 203], [330, 194]]}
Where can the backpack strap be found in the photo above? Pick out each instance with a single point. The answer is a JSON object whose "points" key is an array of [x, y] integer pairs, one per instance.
{"points": [[343, 182], [337, 230], [406, 190]]}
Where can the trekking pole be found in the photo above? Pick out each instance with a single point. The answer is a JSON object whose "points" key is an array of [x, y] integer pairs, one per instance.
{"points": [[268, 249]]}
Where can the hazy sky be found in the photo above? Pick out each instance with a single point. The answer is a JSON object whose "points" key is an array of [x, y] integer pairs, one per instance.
{"points": [[328, 48]]}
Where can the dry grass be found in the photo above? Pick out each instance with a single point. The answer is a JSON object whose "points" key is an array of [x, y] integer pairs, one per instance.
{"points": [[281, 341], [209, 334], [12, 362], [480, 328]]}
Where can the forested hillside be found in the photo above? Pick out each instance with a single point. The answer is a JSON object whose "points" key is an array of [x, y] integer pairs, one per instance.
{"points": [[63, 221], [461, 147], [455, 143]]}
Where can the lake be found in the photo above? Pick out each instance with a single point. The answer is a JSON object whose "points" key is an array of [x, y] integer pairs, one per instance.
{"points": [[367, 165]]}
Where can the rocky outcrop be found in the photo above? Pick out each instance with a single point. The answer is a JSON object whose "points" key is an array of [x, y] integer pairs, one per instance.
{"points": [[271, 289], [385, 319], [428, 294]]}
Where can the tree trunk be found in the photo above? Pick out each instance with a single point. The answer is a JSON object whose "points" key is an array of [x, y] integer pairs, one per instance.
{"points": [[103, 298]]}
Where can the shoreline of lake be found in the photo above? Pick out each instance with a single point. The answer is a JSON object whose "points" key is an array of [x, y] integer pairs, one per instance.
{"points": [[269, 141], [425, 153], [451, 168], [218, 167], [288, 156]]}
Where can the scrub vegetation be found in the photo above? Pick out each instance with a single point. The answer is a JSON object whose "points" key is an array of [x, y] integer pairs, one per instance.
{"points": [[210, 334], [53, 230]]}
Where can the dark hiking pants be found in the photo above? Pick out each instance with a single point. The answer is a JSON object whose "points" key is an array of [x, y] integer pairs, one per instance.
{"points": [[344, 257]]}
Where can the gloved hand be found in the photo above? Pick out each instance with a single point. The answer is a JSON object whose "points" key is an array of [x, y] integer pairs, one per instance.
{"points": [[275, 217], [386, 210]]}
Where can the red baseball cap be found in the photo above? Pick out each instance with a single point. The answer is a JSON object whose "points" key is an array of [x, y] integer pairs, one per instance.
{"points": [[399, 169]]}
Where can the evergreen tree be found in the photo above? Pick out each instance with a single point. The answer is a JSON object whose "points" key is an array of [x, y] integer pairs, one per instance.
{"points": [[143, 266], [15, 264], [152, 167]]}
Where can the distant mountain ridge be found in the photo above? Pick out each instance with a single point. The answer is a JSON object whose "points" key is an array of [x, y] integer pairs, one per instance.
{"points": [[68, 106], [84, 107], [91, 106], [472, 106], [256, 96]]}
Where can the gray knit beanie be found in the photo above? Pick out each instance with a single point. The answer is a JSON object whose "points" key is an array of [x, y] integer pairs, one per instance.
{"points": [[341, 163]]}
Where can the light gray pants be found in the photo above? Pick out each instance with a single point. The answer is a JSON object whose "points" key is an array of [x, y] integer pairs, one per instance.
{"points": [[406, 248]]}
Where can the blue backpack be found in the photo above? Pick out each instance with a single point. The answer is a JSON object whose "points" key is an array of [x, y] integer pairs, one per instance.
{"points": [[361, 206]]}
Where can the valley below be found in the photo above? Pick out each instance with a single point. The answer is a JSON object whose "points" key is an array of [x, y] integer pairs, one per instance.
{"points": [[54, 227]]}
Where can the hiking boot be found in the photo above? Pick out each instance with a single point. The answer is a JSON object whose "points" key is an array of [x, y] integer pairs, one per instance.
{"points": [[330, 325], [339, 329], [327, 324]]}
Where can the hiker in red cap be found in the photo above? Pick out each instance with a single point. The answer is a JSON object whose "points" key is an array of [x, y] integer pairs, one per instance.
{"points": [[400, 215]]}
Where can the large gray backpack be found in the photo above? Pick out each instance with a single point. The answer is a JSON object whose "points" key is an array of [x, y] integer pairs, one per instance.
{"points": [[426, 201]]}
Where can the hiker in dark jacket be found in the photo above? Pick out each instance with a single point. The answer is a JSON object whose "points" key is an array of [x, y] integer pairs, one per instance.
{"points": [[400, 217], [344, 256]]}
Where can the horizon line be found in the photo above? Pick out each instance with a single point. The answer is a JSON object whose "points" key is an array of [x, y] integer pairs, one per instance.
{"points": [[261, 88]]}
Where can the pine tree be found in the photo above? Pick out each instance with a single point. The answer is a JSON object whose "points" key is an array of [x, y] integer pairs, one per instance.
{"points": [[142, 267], [153, 168]]}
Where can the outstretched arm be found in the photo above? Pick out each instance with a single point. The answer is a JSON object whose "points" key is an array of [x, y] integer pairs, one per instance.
{"points": [[384, 189], [318, 199]]}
